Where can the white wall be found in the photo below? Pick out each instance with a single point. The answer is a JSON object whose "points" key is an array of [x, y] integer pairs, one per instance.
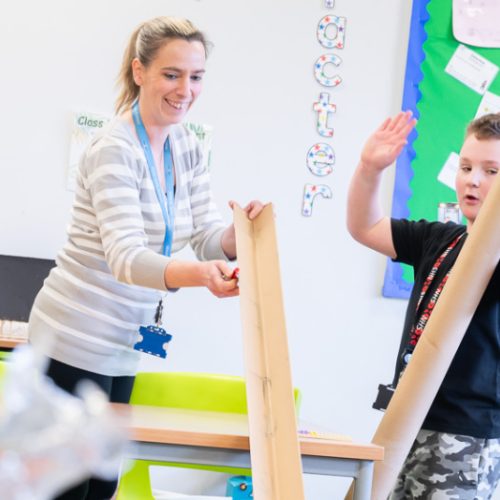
{"points": [[60, 56]]}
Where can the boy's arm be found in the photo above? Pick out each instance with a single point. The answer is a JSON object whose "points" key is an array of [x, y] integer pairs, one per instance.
{"points": [[365, 219]]}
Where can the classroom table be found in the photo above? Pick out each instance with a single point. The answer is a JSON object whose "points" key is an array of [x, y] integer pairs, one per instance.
{"points": [[9, 343], [221, 439]]}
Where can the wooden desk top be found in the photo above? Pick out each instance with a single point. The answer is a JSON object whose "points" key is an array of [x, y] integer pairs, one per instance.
{"points": [[10, 343], [225, 430]]}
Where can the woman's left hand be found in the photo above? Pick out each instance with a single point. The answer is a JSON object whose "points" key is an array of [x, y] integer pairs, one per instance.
{"points": [[228, 242], [253, 209]]}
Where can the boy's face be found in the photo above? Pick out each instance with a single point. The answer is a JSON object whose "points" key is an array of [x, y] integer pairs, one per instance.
{"points": [[479, 164]]}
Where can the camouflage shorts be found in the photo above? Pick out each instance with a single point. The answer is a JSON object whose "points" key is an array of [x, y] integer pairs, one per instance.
{"points": [[449, 466]]}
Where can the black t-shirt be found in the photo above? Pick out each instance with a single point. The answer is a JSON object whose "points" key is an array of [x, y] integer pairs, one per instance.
{"points": [[468, 401]]}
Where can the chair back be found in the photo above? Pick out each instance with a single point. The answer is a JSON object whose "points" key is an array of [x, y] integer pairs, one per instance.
{"points": [[193, 391]]}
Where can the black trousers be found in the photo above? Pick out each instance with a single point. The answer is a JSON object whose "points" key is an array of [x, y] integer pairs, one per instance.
{"points": [[118, 390]]}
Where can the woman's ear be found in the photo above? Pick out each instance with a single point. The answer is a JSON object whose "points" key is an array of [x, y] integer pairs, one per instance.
{"points": [[137, 71]]}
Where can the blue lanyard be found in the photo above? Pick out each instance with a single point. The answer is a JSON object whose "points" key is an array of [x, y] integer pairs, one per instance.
{"points": [[167, 206]]}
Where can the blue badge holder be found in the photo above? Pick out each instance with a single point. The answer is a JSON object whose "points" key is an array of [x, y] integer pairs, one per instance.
{"points": [[153, 341]]}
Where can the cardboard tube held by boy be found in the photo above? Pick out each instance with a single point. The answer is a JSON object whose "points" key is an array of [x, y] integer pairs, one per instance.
{"points": [[438, 344]]}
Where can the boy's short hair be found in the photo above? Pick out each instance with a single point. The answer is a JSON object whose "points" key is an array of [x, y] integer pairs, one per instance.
{"points": [[485, 127]]}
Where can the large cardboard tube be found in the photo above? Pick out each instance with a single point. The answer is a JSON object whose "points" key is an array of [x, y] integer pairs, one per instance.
{"points": [[272, 423], [438, 344]]}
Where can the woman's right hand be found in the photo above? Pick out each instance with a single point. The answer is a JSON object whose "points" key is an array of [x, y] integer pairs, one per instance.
{"points": [[212, 274], [218, 279], [386, 143]]}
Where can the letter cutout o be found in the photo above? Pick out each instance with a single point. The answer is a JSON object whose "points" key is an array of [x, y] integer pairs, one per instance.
{"points": [[332, 43]]}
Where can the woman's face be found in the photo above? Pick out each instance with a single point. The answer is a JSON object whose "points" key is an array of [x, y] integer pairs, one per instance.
{"points": [[171, 82]]}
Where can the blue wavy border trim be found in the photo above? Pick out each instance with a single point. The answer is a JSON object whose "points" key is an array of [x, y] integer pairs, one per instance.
{"points": [[394, 284]]}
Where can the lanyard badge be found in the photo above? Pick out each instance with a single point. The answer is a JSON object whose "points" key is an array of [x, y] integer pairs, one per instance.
{"points": [[153, 338]]}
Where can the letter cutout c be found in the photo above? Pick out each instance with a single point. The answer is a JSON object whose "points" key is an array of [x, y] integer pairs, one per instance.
{"points": [[319, 70]]}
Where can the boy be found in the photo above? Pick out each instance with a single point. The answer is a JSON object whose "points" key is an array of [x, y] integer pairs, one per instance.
{"points": [[457, 452]]}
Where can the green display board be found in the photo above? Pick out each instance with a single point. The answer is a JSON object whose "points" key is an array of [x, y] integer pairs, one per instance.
{"points": [[444, 106]]}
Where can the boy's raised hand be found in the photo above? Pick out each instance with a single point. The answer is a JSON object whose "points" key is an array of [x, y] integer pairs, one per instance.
{"points": [[386, 143]]}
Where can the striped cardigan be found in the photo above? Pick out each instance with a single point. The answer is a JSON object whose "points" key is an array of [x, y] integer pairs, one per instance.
{"points": [[110, 274]]}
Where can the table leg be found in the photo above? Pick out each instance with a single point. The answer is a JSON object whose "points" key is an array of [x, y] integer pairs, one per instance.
{"points": [[363, 483]]}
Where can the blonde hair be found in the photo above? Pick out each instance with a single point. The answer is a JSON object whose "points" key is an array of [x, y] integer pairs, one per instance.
{"points": [[144, 43]]}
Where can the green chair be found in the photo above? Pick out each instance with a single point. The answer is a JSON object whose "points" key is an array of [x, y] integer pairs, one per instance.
{"points": [[3, 370], [4, 355], [193, 391]]}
